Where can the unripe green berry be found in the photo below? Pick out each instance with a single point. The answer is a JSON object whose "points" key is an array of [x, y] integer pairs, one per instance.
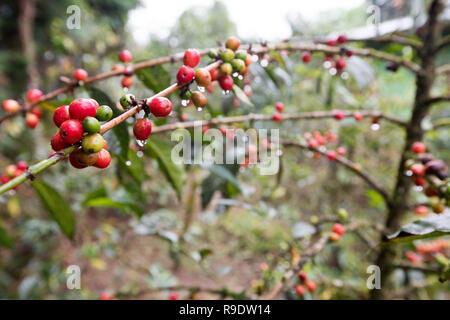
{"points": [[241, 54], [226, 68], [127, 100], [213, 53], [314, 219], [91, 125], [342, 213], [186, 95], [104, 113], [227, 55], [93, 143], [238, 65]]}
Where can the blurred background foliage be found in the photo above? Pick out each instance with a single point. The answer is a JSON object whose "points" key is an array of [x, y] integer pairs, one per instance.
{"points": [[146, 224]]}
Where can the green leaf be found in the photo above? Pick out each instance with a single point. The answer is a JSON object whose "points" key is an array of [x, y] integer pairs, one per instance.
{"points": [[155, 78], [241, 95], [105, 202], [161, 151], [56, 206], [433, 226], [5, 240], [120, 131], [136, 168], [220, 178]]}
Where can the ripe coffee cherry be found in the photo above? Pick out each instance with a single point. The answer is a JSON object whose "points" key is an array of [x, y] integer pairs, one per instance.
{"points": [[173, 295], [238, 65], [10, 105], [91, 125], [71, 131], [191, 58], [276, 117], [127, 82], [430, 191], [241, 54], [127, 100], [358, 116], [335, 237], [104, 113], [104, 159], [74, 159], [227, 55], [183, 117], [60, 115], [125, 56], [128, 71], [87, 159], [300, 290], [226, 68], [418, 169], [306, 57], [105, 146], [418, 147], [419, 181], [421, 210], [338, 114], [339, 229], [37, 111], [340, 64], [311, 285], [10, 170], [302, 276], [32, 120], [142, 128], [279, 106], [331, 42], [233, 43], [93, 143], [392, 66], [248, 60], [342, 39], [80, 74], [81, 108], [215, 74], [185, 75], [349, 53], [226, 83], [202, 77], [4, 179], [34, 95], [331, 155], [199, 99], [58, 143], [160, 106], [22, 165], [313, 143], [341, 151], [245, 71]]}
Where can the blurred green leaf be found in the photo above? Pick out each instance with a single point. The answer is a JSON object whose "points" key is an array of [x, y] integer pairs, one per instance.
{"points": [[220, 178], [5, 239], [241, 95], [135, 166], [56, 206], [155, 78], [161, 151], [105, 202]]}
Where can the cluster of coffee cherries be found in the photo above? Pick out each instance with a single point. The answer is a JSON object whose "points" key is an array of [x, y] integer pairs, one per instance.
{"points": [[234, 64], [33, 116], [304, 284], [127, 70], [12, 171], [318, 140], [431, 175], [429, 251], [79, 125], [338, 231]]}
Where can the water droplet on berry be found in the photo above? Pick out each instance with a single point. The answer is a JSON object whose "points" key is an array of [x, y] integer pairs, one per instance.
{"points": [[418, 188], [409, 173], [327, 64], [344, 75], [139, 154], [201, 89], [225, 92], [125, 89], [264, 63], [128, 163], [240, 77], [375, 126], [235, 74], [199, 109], [333, 71], [184, 103]]}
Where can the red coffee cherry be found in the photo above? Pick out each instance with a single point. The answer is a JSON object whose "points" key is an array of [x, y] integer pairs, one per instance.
{"points": [[276, 117], [191, 58], [58, 143], [358, 116], [302, 276], [413, 257], [74, 159], [419, 181], [331, 42], [37, 111], [71, 131], [202, 77], [215, 74], [349, 53], [32, 120], [128, 71], [338, 114], [279, 106], [173, 295], [342, 39], [142, 128], [418, 169], [22, 165], [226, 83], [10, 105], [331, 155], [81, 108], [125, 56], [341, 151], [335, 237], [421, 210], [430, 191], [311, 285], [80, 74], [339, 229], [105, 145], [306, 57], [233, 43], [104, 159], [248, 60], [313, 143], [10, 170], [300, 290], [60, 115], [34, 95], [418, 147], [340, 64], [185, 75], [127, 82], [160, 106], [4, 179]]}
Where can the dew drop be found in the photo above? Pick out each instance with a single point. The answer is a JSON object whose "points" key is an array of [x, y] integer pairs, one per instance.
{"points": [[344, 75], [264, 63], [240, 77], [184, 103], [235, 74], [225, 92], [409, 173], [125, 89], [333, 71], [141, 143], [201, 89], [418, 188], [139, 154], [327, 64], [128, 163], [279, 153], [255, 57], [375, 126], [199, 109], [12, 192]]}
